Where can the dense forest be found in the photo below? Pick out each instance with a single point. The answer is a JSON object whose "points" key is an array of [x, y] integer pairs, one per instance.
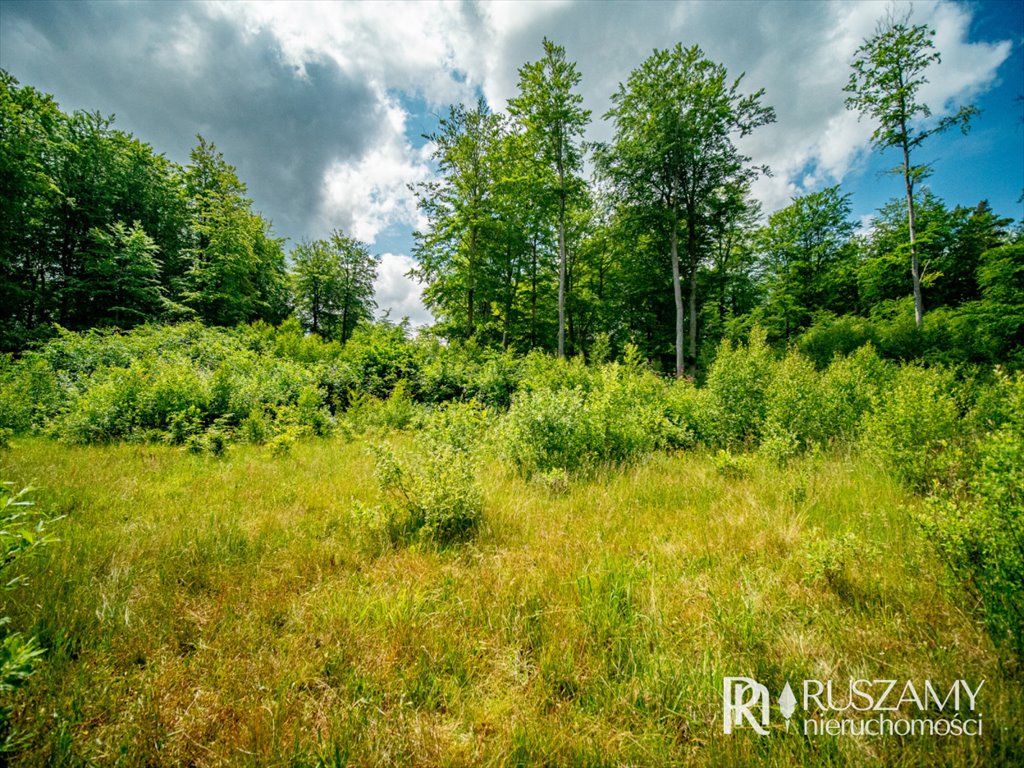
{"points": [[654, 437], [662, 247]]}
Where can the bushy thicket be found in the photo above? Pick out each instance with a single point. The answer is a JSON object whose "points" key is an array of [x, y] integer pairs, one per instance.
{"points": [[952, 433], [978, 520]]}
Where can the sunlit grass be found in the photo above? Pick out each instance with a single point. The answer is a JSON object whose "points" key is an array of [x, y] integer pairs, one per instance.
{"points": [[209, 611]]}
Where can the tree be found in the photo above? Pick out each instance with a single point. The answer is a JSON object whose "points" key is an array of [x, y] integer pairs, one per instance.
{"points": [[236, 271], [554, 121], [458, 208], [124, 273], [675, 121], [32, 131], [807, 260], [332, 284], [888, 70]]}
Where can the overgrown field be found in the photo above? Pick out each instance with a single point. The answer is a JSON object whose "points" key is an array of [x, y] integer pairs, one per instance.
{"points": [[267, 550], [203, 611]]}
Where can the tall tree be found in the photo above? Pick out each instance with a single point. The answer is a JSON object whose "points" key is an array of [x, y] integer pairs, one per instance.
{"points": [[458, 209], [332, 285], [806, 257], [124, 273], [236, 272], [888, 71], [555, 120], [675, 123]]}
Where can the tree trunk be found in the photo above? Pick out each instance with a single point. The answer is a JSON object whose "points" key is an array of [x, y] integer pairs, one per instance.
{"points": [[691, 253], [677, 292], [561, 276], [915, 265]]}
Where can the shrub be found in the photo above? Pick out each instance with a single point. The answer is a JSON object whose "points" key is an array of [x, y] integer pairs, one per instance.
{"points": [[798, 410], [497, 380], [550, 429], [432, 497], [397, 411], [830, 336], [852, 385], [737, 383], [618, 415], [978, 526], [690, 415], [912, 423], [461, 426]]}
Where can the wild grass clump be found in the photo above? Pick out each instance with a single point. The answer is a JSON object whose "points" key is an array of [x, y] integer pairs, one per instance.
{"points": [[22, 533]]}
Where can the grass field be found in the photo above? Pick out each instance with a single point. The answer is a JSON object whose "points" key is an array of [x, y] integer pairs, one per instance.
{"points": [[208, 611]]}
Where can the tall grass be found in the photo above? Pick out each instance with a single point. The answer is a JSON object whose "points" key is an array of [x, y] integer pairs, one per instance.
{"points": [[214, 611]]}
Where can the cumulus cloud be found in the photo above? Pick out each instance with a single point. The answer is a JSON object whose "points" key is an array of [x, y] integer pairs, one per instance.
{"points": [[368, 194], [396, 294], [309, 99]]}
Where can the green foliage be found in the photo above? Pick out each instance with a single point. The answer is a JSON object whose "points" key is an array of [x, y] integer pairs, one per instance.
{"points": [[573, 418], [432, 496], [807, 255], [162, 383], [738, 385], [978, 524], [829, 336], [396, 411], [22, 534], [236, 270], [912, 424], [332, 284]]}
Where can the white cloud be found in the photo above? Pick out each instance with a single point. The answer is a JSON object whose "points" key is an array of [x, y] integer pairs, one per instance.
{"points": [[444, 52], [367, 194], [398, 293]]}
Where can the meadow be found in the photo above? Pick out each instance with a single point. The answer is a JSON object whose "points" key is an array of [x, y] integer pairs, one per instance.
{"points": [[461, 584]]}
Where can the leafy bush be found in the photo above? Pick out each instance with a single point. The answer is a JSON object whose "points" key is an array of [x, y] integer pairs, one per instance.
{"points": [[979, 525], [21, 534], [798, 409], [830, 336], [738, 384], [618, 415], [462, 426], [396, 411], [912, 423], [432, 497], [550, 429], [852, 385]]}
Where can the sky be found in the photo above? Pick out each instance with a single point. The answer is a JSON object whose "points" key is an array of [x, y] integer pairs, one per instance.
{"points": [[323, 107]]}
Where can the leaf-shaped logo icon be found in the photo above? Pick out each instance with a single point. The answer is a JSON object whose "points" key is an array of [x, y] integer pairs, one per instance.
{"points": [[787, 702]]}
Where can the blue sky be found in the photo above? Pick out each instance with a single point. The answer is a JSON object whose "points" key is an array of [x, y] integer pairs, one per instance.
{"points": [[322, 106]]}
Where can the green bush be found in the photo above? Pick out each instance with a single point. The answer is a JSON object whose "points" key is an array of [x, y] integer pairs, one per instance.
{"points": [[978, 526], [463, 426], [912, 424], [830, 337], [618, 415], [853, 384], [432, 496], [798, 409], [550, 429], [738, 384]]}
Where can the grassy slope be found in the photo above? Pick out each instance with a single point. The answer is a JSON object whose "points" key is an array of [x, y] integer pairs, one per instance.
{"points": [[212, 611]]}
